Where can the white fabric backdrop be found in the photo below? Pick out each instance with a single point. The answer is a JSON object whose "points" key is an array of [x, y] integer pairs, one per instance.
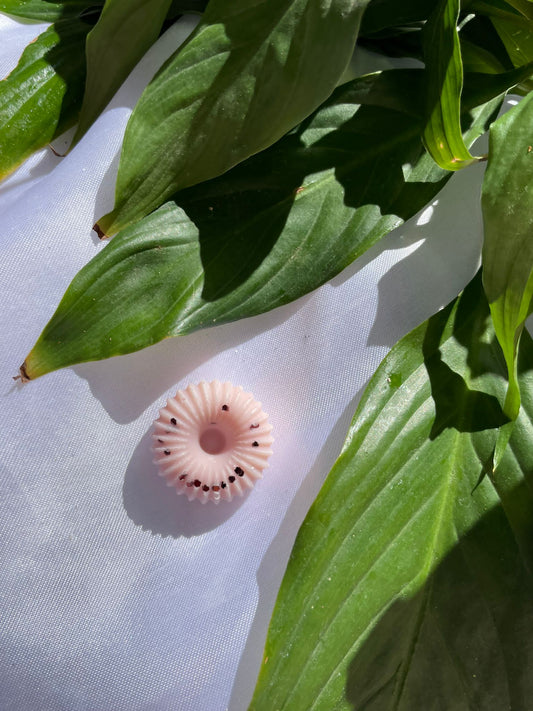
{"points": [[115, 593]]}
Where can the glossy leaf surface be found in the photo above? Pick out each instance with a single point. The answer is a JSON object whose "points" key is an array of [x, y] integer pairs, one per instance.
{"points": [[248, 74], [47, 11], [412, 564], [442, 133], [264, 234], [112, 53], [508, 226], [41, 97]]}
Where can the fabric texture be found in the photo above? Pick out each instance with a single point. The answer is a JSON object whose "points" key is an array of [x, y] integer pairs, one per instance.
{"points": [[114, 592]]}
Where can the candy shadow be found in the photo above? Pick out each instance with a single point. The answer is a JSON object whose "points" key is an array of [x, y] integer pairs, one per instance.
{"points": [[448, 239], [156, 507]]}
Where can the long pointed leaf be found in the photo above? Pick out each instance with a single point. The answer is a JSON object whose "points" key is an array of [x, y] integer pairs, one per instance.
{"points": [[249, 74], [442, 133], [409, 585], [267, 232], [124, 32]]}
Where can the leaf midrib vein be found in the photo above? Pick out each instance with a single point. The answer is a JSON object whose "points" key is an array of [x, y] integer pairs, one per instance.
{"points": [[439, 525], [352, 593], [424, 572]]}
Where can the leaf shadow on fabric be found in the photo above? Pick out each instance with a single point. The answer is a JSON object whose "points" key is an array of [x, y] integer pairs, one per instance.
{"points": [[461, 640], [439, 266], [127, 385], [127, 97]]}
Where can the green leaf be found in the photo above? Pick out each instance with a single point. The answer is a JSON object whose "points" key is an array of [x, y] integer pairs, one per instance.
{"points": [[409, 585], [267, 232], [481, 87], [41, 97], [507, 200], [514, 27], [524, 7], [516, 33], [47, 11], [442, 133], [249, 73], [111, 53], [479, 35], [517, 36], [477, 59]]}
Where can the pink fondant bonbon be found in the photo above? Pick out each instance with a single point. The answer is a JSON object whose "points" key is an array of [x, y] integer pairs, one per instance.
{"points": [[212, 441]]}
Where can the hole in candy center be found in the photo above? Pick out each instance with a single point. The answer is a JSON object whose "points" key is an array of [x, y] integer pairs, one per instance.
{"points": [[213, 441]]}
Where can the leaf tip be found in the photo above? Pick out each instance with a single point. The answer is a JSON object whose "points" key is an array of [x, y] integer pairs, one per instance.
{"points": [[99, 231], [22, 374], [56, 153]]}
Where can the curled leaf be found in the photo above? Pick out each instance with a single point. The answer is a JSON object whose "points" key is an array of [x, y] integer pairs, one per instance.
{"points": [[442, 133]]}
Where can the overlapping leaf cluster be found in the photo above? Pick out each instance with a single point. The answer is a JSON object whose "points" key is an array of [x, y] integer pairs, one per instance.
{"points": [[253, 170]]}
